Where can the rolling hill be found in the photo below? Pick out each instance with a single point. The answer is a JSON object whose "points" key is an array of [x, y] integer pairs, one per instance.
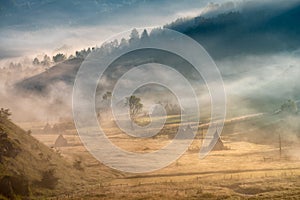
{"points": [[62, 72], [29, 168], [252, 31], [255, 48]]}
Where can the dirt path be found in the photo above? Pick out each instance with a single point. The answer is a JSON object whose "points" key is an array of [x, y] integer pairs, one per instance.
{"points": [[209, 172]]}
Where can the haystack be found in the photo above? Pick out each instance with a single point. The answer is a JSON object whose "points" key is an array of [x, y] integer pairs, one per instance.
{"points": [[60, 141], [219, 144]]}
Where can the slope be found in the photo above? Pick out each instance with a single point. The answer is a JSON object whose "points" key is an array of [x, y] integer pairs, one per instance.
{"points": [[29, 168]]}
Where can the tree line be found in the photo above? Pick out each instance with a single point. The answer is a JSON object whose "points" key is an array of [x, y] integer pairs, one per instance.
{"points": [[134, 39]]}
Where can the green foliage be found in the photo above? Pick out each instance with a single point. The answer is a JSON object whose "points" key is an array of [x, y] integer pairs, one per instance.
{"points": [[83, 53]]}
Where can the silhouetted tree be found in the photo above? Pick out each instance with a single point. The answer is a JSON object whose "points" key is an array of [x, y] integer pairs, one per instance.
{"points": [[89, 50], [59, 57], [46, 61], [135, 106], [145, 36], [71, 57], [123, 43], [134, 37], [35, 61], [15, 66]]}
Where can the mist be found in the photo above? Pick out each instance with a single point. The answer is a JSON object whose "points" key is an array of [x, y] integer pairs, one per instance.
{"points": [[256, 83], [149, 99]]}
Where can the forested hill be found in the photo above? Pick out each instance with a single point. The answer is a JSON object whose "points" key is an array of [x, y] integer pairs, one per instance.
{"points": [[258, 30], [253, 31]]}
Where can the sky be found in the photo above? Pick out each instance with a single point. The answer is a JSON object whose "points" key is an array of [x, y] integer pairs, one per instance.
{"points": [[32, 27]]}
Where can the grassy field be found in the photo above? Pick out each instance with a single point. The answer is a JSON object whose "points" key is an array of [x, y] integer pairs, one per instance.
{"points": [[249, 169], [246, 171]]}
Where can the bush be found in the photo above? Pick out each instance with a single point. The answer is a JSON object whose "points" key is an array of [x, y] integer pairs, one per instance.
{"points": [[13, 186], [289, 106], [77, 164], [4, 114], [8, 148], [49, 180], [59, 57]]}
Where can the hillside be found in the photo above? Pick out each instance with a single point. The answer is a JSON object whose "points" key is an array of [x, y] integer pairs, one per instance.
{"points": [[29, 168], [253, 30], [63, 72]]}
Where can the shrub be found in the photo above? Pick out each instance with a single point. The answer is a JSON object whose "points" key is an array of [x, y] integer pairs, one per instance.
{"points": [[12, 186], [8, 148], [59, 57], [49, 180], [4, 114], [77, 164]]}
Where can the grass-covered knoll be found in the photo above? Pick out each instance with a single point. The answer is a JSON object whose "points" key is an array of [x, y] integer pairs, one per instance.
{"points": [[28, 168]]}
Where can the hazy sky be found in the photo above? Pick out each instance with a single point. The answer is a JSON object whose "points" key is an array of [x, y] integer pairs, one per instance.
{"points": [[32, 27], [35, 27]]}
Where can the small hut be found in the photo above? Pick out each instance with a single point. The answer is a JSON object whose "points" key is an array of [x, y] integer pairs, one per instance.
{"points": [[60, 141]]}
